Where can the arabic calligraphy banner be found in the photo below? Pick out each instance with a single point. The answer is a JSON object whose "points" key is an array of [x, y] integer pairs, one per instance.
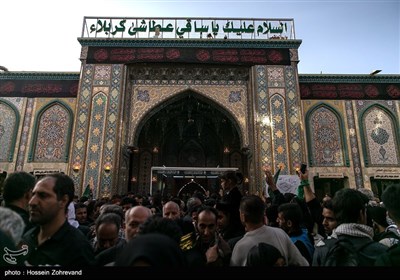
{"points": [[189, 28], [189, 55], [38, 88], [355, 91]]}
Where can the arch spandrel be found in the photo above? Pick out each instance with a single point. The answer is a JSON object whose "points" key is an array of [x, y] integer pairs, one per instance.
{"points": [[8, 130], [379, 129], [233, 99]]}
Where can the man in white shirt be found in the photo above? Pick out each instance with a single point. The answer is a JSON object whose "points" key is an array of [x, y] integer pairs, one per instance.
{"points": [[252, 210]]}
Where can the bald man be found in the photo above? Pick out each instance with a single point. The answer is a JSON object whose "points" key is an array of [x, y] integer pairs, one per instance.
{"points": [[134, 217], [171, 210]]}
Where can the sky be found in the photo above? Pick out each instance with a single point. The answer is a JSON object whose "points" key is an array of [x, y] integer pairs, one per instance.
{"points": [[338, 37]]}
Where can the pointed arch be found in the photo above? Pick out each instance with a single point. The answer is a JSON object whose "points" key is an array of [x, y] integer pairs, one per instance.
{"points": [[326, 137], [175, 98], [191, 185], [380, 136], [52, 133], [9, 124]]}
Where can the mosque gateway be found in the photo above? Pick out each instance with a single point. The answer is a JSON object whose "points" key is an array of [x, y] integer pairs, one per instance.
{"points": [[168, 104]]}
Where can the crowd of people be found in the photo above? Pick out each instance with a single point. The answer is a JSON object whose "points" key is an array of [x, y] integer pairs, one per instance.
{"points": [[43, 223]]}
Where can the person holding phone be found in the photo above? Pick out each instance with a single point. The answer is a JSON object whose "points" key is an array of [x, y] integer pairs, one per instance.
{"points": [[214, 250], [314, 212], [303, 174]]}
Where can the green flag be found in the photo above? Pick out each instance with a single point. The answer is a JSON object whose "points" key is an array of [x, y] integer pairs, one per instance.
{"points": [[87, 192]]}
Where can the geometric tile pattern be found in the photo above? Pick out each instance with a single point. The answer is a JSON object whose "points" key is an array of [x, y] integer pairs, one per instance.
{"points": [[294, 55], [52, 134], [81, 126], [93, 166], [263, 111], [326, 146], [18, 102], [8, 129], [278, 118], [275, 76], [363, 105], [113, 115], [144, 99], [26, 131], [355, 152], [380, 137], [294, 124], [278, 127], [102, 75]]}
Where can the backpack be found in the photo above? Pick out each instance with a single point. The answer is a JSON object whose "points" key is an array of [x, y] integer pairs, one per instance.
{"points": [[344, 253]]}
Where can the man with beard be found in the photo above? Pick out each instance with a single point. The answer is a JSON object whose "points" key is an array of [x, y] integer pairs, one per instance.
{"points": [[209, 244], [53, 241]]}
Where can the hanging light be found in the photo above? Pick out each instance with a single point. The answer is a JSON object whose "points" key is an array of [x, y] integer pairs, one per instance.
{"points": [[107, 167], [76, 166]]}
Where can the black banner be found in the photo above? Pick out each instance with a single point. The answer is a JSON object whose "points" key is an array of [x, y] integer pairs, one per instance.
{"points": [[353, 91], [189, 55], [38, 88]]}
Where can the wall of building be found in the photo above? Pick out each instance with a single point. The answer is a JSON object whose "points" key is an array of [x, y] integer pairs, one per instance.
{"points": [[36, 133], [357, 139], [97, 129]]}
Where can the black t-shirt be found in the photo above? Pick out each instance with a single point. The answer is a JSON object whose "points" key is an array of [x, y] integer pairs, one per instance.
{"points": [[67, 247], [233, 198], [24, 215]]}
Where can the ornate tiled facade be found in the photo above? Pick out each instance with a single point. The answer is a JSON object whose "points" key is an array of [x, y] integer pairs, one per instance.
{"points": [[52, 134], [8, 130], [294, 119], [26, 131], [326, 138], [380, 135], [354, 148], [80, 136], [344, 126], [149, 97]]}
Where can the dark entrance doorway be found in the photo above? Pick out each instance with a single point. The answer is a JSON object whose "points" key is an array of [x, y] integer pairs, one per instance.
{"points": [[379, 185], [186, 180], [187, 131], [329, 186]]}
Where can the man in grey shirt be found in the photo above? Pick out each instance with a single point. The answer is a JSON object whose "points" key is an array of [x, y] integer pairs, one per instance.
{"points": [[252, 216]]}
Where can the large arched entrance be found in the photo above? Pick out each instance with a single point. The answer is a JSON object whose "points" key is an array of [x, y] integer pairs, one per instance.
{"points": [[187, 131]]}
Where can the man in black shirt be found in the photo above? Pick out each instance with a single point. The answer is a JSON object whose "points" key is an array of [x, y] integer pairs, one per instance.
{"points": [[54, 241], [232, 197], [229, 184], [17, 193]]}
